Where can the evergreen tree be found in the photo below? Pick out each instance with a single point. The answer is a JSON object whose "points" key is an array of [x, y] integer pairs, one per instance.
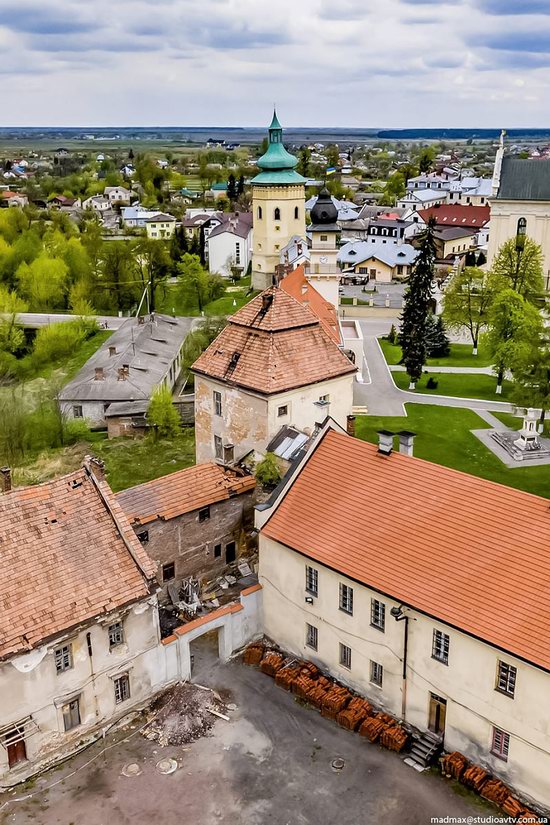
{"points": [[416, 304], [240, 186], [231, 188], [304, 161], [131, 154], [470, 259], [437, 343]]}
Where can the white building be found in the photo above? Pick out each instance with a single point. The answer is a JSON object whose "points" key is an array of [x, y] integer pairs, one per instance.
{"points": [[422, 199], [136, 216], [230, 244], [422, 588], [98, 203], [118, 194]]}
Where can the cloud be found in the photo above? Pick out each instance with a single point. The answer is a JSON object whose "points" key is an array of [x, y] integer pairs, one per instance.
{"points": [[517, 41], [515, 7], [31, 19]]}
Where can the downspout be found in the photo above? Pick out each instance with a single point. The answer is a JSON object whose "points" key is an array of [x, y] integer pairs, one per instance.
{"points": [[404, 688]]}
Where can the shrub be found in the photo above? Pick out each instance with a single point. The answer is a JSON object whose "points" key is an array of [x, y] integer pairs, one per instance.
{"points": [[163, 415], [267, 470], [432, 384]]}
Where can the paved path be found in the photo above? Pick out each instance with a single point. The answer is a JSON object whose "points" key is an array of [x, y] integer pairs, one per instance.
{"points": [[458, 370], [34, 320], [382, 397]]}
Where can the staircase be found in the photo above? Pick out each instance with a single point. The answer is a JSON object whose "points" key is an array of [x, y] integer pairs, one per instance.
{"points": [[425, 748]]}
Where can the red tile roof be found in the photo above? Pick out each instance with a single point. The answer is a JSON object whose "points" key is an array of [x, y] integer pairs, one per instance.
{"points": [[454, 214], [67, 555], [271, 345], [182, 492], [297, 285], [470, 552]]}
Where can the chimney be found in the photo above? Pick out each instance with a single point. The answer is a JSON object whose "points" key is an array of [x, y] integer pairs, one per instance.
{"points": [[267, 300], [385, 441], [122, 374], [406, 441], [5, 479], [350, 425], [141, 320], [98, 376], [95, 466], [112, 351]]}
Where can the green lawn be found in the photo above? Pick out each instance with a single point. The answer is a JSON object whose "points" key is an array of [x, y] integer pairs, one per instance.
{"points": [[443, 436], [460, 356], [466, 385], [514, 422], [170, 302]]}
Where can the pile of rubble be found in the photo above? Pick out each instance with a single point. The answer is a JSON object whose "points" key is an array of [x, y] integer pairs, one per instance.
{"points": [[333, 700], [182, 714], [456, 766]]}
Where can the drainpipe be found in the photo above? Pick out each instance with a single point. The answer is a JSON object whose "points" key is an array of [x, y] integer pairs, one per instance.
{"points": [[399, 615]]}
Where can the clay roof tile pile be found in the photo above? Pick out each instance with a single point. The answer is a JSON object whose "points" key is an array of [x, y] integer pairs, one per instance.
{"points": [[467, 551], [67, 555], [182, 492]]}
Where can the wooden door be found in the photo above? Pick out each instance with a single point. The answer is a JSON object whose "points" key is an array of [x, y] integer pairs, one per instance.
{"points": [[437, 713], [17, 752]]}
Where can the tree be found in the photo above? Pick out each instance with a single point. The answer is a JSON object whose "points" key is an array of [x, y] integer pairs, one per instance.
{"points": [[514, 324], [153, 264], [231, 188], [12, 337], [332, 155], [193, 281], [304, 159], [118, 276], [437, 343], [519, 265], [131, 154], [162, 414], [425, 159], [416, 302], [198, 340], [467, 301], [267, 470], [43, 282], [532, 378], [240, 186], [394, 189]]}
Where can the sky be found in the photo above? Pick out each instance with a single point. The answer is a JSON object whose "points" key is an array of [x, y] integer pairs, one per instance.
{"points": [[348, 63]]}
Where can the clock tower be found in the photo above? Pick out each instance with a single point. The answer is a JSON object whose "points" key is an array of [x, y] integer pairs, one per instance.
{"points": [[324, 272]]}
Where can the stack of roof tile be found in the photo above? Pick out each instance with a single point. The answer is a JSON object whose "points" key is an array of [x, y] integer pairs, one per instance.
{"points": [[286, 675], [529, 816], [319, 690], [355, 713], [336, 699], [254, 653], [394, 737], [372, 727], [495, 791], [454, 764], [513, 807], [303, 684], [475, 777], [271, 663]]}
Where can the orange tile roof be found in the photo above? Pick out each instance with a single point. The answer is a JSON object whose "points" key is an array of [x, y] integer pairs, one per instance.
{"points": [[281, 348], [67, 555], [470, 552], [182, 492], [297, 285]]}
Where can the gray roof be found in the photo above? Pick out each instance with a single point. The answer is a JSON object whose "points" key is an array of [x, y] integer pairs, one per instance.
{"points": [[148, 349], [127, 408], [239, 223], [524, 180], [451, 233], [356, 252]]}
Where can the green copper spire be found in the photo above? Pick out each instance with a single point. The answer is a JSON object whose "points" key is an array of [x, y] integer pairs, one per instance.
{"points": [[277, 164]]}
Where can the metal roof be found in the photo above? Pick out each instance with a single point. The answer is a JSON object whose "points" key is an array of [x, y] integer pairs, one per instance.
{"points": [[524, 180]]}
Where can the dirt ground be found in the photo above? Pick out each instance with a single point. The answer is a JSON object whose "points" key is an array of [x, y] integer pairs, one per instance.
{"points": [[270, 763]]}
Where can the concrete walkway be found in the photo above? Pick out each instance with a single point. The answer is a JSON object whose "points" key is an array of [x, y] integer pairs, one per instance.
{"points": [[457, 370], [382, 397]]}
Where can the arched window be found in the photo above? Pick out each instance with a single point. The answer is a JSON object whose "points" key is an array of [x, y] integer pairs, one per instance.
{"points": [[296, 213], [259, 213], [277, 214], [522, 227]]}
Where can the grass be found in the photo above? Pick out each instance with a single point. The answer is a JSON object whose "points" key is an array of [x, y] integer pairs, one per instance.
{"points": [[443, 436], [460, 356], [514, 422], [127, 461], [465, 385], [170, 301]]}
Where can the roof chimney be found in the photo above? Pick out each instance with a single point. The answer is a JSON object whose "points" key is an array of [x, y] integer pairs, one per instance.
{"points": [[112, 351], [98, 376], [406, 441], [141, 320], [385, 441], [350, 425], [5, 479], [122, 374], [95, 466]]}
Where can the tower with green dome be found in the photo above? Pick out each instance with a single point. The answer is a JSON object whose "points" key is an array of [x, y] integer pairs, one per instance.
{"points": [[278, 203]]}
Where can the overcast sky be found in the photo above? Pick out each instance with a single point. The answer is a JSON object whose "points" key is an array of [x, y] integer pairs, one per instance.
{"points": [[366, 63]]}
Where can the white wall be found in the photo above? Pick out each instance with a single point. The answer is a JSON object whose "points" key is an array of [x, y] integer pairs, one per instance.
{"points": [[474, 707], [504, 225], [222, 250]]}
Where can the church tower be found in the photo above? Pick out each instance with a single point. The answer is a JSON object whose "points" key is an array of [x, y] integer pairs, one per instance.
{"points": [[278, 204], [324, 273]]}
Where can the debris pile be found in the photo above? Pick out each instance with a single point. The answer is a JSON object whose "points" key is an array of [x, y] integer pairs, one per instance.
{"points": [[456, 766], [181, 715]]}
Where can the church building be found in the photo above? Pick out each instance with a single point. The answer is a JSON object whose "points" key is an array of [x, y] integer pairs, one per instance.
{"points": [[278, 205], [324, 272]]}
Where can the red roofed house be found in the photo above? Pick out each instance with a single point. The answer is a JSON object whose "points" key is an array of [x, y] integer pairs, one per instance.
{"points": [[79, 632], [192, 522], [429, 593], [273, 365]]}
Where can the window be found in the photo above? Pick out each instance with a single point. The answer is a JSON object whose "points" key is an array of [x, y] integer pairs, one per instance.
{"points": [[324, 237], [230, 552], [522, 227], [440, 647], [168, 571], [282, 410], [345, 656], [218, 446], [217, 551], [296, 213], [346, 598], [71, 714], [122, 688], [506, 679], [63, 658], [77, 411], [324, 399], [312, 581], [378, 614], [277, 214], [204, 513], [116, 635], [237, 253], [312, 636], [501, 744], [143, 537], [376, 673], [217, 403], [259, 213]]}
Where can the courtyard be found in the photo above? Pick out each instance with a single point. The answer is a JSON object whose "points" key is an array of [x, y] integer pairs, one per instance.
{"points": [[270, 763]]}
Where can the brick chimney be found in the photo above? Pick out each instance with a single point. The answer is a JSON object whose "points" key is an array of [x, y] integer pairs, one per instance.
{"points": [[122, 374], [99, 376], [112, 351], [95, 466], [350, 425], [5, 479]]}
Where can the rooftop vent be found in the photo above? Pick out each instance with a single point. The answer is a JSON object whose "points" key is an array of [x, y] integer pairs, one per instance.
{"points": [[406, 441], [385, 442], [5, 479], [98, 374]]}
